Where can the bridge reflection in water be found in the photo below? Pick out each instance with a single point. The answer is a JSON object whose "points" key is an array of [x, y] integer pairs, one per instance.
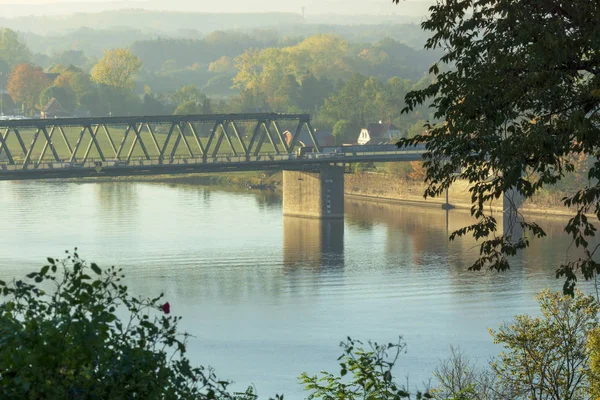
{"points": [[313, 242]]}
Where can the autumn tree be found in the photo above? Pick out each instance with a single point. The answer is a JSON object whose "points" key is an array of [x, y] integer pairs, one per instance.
{"points": [[418, 172], [223, 65], [117, 68], [25, 84], [518, 87], [593, 346], [547, 357], [13, 50]]}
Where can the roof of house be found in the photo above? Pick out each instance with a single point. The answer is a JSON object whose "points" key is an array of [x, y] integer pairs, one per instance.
{"points": [[53, 107]]}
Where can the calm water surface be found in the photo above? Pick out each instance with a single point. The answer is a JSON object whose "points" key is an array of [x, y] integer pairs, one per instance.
{"points": [[268, 297]]}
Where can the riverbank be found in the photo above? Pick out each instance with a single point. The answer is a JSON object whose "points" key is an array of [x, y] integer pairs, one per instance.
{"points": [[237, 179], [370, 186], [386, 188]]}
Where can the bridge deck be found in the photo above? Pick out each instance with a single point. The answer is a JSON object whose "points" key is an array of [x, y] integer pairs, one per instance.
{"points": [[222, 163]]}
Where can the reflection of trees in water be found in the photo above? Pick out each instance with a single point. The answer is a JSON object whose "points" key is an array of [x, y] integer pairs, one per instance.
{"points": [[268, 199], [423, 233], [203, 193], [556, 248], [39, 192], [424, 228], [202, 282], [314, 243], [117, 197], [206, 197]]}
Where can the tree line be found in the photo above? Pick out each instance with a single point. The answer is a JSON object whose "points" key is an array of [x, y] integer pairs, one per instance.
{"points": [[323, 75]]}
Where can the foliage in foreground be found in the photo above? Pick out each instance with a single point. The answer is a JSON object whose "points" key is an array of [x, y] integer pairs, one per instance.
{"points": [[521, 103], [370, 374], [547, 357], [72, 331], [553, 357]]}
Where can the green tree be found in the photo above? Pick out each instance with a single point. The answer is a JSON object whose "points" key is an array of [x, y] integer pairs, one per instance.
{"points": [[4, 67], [347, 103], [288, 95], [314, 92], [13, 50], [370, 374], [65, 96], [7, 104], [117, 68], [63, 339], [152, 106], [192, 107], [519, 97], [547, 357], [345, 131], [190, 100], [109, 100], [70, 57]]}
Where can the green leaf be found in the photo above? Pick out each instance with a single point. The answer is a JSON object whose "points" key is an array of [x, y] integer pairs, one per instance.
{"points": [[51, 260], [44, 270], [96, 269]]}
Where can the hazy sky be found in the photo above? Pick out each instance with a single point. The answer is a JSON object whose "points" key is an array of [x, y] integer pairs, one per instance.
{"points": [[408, 7]]}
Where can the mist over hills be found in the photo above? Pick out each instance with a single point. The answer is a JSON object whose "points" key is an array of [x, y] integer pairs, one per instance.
{"points": [[303, 55], [407, 9]]}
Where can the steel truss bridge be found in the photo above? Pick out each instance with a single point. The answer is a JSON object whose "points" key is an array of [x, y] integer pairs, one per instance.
{"points": [[153, 145]]}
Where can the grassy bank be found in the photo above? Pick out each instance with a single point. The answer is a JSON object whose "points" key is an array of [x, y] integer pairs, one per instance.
{"points": [[237, 179]]}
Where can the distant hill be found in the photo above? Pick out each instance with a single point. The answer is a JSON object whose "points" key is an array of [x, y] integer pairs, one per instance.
{"points": [[153, 22]]}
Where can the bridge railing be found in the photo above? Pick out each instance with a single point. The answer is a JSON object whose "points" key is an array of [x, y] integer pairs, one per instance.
{"points": [[347, 155]]}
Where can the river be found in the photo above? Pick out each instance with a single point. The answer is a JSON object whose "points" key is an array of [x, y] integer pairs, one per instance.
{"points": [[268, 297]]}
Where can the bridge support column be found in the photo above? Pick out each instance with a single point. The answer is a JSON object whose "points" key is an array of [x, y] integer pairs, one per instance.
{"points": [[314, 194]]}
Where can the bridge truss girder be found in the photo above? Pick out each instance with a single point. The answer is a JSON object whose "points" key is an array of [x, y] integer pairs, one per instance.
{"points": [[183, 131]]}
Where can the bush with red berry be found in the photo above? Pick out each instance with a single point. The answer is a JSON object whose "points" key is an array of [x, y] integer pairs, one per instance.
{"points": [[72, 331]]}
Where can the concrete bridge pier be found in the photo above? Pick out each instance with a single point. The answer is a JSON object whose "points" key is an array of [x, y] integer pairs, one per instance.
{"points": [[311, 194]]}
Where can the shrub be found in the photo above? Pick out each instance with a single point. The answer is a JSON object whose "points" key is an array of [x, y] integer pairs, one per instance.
{"points": [[61, 337], [370, 374]]}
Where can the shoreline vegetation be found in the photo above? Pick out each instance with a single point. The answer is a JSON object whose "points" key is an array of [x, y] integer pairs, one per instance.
{"points": [[368, 186]]}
